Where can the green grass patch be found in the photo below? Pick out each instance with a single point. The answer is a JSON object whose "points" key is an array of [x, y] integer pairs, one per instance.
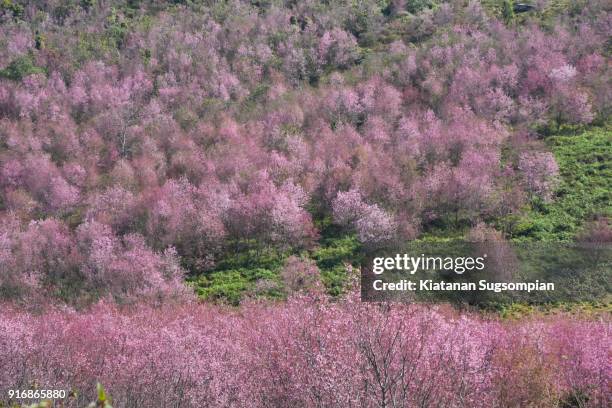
{"points": [[584, 192], [582, 309], [256, 272], [238, 274], [332, 256]]}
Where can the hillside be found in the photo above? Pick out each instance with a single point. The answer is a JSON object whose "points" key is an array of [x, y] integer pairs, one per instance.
{"points": [[190, 190]]}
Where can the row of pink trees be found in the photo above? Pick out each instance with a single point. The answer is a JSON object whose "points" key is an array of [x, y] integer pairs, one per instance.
{"points": [[306, 353]]}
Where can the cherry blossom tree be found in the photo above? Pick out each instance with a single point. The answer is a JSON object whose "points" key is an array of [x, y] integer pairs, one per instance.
{"points": [[540, 171]]}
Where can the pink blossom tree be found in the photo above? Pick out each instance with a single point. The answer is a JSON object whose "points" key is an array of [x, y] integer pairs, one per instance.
{"points": [[540, 172]]}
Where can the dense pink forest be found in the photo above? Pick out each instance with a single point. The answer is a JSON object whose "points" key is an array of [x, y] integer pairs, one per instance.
{"points": [[143, 143], [308, 353]]}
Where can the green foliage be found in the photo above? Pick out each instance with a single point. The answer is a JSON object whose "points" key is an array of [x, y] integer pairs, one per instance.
{"points": [[521, 310], [186, 118], [231, 285], [39, 41], [146, 56], [21, 67], [221, 286], [12, 7], [238, 273], [416, 6], [105, 44], [117, 28], [332, 257], [507, 11], [504, 10], [88, 4], [242, 272], [365, 20], [103, 401], [61, 12], [585, 191], [554, 8], [336, 250]]}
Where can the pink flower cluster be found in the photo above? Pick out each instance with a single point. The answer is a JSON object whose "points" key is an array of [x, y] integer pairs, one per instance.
{"points": [[45, 259]]}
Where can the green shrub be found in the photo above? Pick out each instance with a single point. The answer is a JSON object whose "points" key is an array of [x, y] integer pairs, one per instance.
{"points": [[10, 6], [222, 286], [21, 67]]}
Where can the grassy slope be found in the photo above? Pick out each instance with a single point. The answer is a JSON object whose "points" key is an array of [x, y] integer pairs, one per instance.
{"points": [[585, 190]]}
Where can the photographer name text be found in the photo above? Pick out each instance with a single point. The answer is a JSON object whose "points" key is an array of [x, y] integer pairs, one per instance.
{"points": [[482, 285]]}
